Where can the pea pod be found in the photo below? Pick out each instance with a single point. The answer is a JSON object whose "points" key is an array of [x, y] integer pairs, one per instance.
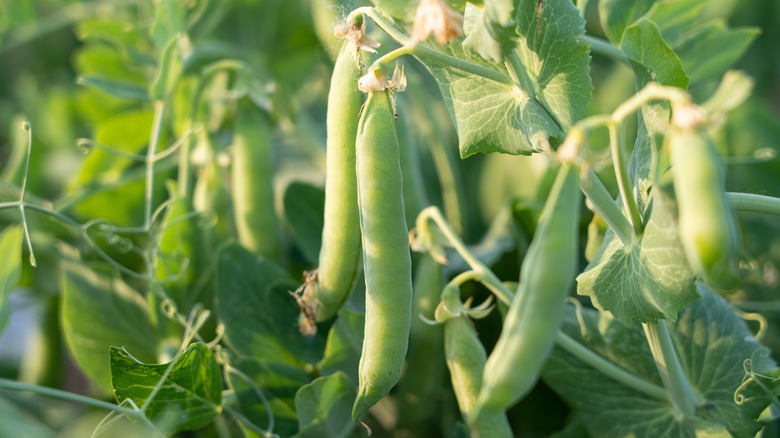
{"points": [[339, 260], [535, 314], [466, 361], [386, 258], [252, 184], [707, 228]]}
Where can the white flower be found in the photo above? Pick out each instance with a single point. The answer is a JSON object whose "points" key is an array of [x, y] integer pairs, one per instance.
{"points": [[375, 80], [438, 18]]}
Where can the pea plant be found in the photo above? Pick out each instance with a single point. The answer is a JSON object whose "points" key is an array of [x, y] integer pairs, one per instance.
{"points": [[406, 218]]}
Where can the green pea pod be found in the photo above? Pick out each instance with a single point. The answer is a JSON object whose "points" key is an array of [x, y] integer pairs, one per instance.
{"points": [[339, 261], [707, 228], [419, 390], [252, 184], [386, 258], [466, 361], [535, 314]]}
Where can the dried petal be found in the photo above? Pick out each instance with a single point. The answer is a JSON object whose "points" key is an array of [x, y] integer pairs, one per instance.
{"points": [[398, 82], [437, 17], [356, 35], [373, 81]]}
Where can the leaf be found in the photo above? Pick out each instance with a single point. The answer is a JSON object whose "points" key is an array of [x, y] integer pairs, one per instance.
{"points": [[617, 15], [259, 313], [490, 31], [100, 311], [651, 57], [707, 53], [324, 407], [188, 397], [344, 344], [169, 70], [11, 269], [116, 88], [713, 344], [304, 209], [648, 280], [496, 115], [17, 423], [399, 9], [276, 383], [675, 17]]}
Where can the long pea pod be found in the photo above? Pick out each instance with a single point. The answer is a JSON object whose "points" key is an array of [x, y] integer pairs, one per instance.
{"points": [[536, 311], [339, 259], [386, 258], [252, 187], [707, 227]]}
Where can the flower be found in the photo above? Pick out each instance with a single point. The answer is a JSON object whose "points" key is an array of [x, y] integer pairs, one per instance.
{"points": [[375, 80], [355, 33], [438, 18]]}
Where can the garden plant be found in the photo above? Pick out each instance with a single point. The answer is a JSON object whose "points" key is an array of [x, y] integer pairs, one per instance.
{"points": [[407, 218]]}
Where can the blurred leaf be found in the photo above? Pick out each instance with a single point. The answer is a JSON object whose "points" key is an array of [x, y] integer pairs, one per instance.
{"points": [[258, 311], [304, 207], [647, 281], [733, 91], [651, 57], [324, 407], [617, 15], [189, 396], [120, 89], [675, 18], [713, 344], [399, 9], [275, 382], [344, 344], [712, 49], [99, 311], [11, 240], [169, 20], [17, 423]]}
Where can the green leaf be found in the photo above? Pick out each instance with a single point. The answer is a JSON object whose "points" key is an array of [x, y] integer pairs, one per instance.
{"points": [[10, 269], [708, 52], [100, 311], [648, 280], [713, 344], [258, 311], [304, 209], [490, 31], [399, 9], [344, 344], [116, 88], [184, 394], [650, 56], [675, 17], [617, 15], [169, 20], [324, 407], [493, 114], [17, 423], [274, 382]]}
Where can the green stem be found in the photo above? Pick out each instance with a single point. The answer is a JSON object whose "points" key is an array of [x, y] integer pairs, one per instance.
{"points": [[486, 276], [423, 51], [151, 152], [609, 369], [652, 91], [13, 385], [26, 127], [683, 397], [605, 48], [754, 203], [385, 59], [521, 76], [602, 201], [621, 173]]}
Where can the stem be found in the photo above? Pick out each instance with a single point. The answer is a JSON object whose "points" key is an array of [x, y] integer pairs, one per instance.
{"points": [[69, 396], [652, 91], [754, 203], [605, 48], [423, 51], [516, 67], [154, 141], [487, 277], [684, 399], [609, 369], [385, 59], [26, 127], [602, 201], [621, 172]]}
